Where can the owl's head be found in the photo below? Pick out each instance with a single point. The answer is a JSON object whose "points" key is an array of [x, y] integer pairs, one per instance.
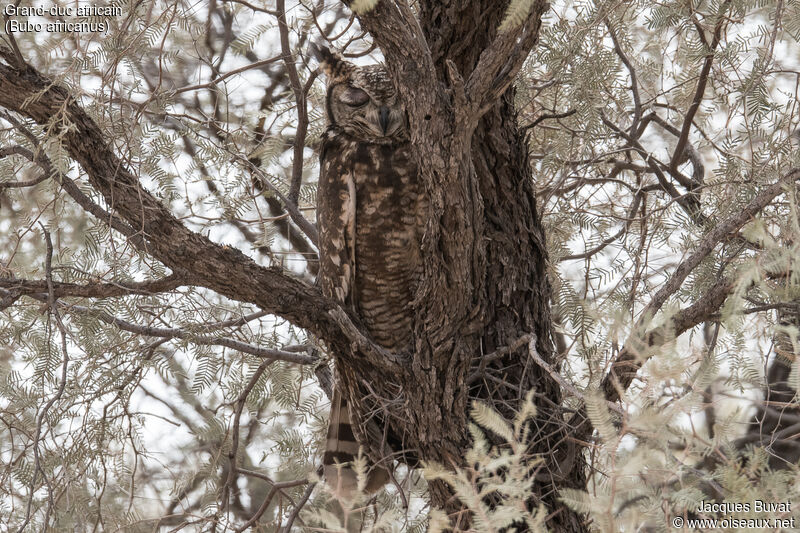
{"points": [[361, 100]]}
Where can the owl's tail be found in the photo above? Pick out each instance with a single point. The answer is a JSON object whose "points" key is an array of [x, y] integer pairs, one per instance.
{"points": [[341, 450]]}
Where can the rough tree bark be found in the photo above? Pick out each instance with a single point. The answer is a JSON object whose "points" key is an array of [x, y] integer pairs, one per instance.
{"points": [[485, 289], [485, 285]]}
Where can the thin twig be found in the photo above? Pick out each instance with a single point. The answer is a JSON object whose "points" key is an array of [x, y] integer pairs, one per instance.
{"points": [[276, 487], [234, 450], [53, 310], [300, 103], [637, 103], [560, 380], [548, 116], [251, 66], [497, 354], [93, 290], [293, 516], [701, 86]]}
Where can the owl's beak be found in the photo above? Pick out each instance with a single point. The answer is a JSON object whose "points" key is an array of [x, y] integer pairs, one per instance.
{"points": [[383, 119]]}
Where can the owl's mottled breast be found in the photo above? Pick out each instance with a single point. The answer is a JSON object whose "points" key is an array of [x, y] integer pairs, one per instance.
{"points": [[387, 217]]}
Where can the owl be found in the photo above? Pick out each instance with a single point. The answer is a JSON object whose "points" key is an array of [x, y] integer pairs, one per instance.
{"points": [[369, 211]]}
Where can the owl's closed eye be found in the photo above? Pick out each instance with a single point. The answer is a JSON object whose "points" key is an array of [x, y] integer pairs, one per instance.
{"points": [[354, 97]]}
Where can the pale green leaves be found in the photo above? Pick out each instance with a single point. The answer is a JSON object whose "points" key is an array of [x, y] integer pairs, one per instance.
{"points": [[491, 420], [359, 7], [503, 473], [517, 12], [354, 512], [600, 416]]}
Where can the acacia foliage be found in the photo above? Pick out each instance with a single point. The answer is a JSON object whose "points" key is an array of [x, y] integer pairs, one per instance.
{"points": [[650, 125]]}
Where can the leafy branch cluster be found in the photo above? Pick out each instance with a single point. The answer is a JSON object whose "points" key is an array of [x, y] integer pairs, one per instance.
{"points": [[652, 127]]}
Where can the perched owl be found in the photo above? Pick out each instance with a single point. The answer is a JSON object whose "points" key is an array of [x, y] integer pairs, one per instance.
{"points": [[369, 211]]}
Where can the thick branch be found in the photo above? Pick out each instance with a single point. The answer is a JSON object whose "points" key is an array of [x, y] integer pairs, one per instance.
{"points": [[500, 62], [714, 237], [634, 353], [225, 270], [632, 356], [627, 364], [624, 368]]}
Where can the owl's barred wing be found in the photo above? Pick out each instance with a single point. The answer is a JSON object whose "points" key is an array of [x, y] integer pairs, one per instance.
{"points": [[336, 216]]}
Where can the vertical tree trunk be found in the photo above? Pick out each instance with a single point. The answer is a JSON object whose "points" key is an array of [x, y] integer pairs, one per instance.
{"points": [[514, 291], [485, 248]]}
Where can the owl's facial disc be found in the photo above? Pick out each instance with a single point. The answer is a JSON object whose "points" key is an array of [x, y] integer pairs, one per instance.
{"points": [[365, 115]]}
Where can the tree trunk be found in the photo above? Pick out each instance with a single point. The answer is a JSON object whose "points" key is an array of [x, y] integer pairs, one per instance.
{"points": [[485, 284]]}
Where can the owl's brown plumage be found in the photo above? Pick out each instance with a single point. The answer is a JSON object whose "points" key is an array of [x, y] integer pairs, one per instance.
{"points": [[369, 209]]}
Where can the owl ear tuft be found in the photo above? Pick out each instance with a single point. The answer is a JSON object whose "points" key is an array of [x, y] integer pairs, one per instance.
{"points": [[332, 63]]}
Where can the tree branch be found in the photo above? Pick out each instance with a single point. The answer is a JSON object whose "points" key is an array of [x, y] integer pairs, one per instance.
{"points": [[630, 359], [500, 62], [93, 290], [701, 85], [210, 84], [634, 353], [80, 198], [19, 150], [637, 103], [714, 237], [223, 269], [300, 103], [637, 200], [175, 333], [632, 356]]}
